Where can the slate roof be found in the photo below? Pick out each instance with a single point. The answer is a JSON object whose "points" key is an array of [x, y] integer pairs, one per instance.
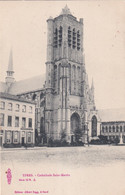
{"points": [[3, 87], [24, 86], [111, 115], [14, 97]]}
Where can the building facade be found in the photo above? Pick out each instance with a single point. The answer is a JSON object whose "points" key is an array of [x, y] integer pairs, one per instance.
{"points": [[64, 100], [113, 124], [70, 104], [17, 121]]}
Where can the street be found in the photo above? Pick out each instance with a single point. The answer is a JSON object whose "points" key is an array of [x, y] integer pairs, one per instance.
{"points": [[98, 169]]}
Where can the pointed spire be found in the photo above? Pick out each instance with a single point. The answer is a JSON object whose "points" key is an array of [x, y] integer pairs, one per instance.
{"points": [[10, 64], [10, 71], [66, 11], [92, 85]]}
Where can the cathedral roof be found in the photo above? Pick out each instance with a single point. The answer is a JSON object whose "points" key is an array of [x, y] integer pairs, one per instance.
{"points": [[3, 87], [24, 86], [111, 115], [14, 97]]}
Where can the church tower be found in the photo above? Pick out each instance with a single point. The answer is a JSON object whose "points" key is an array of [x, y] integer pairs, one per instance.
{"points": [[66, 86], [10, 78]]}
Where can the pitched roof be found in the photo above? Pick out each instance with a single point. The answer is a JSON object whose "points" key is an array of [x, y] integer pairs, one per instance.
{"points": [[28, 85], [3, 87], [24, 86], [14, 97], [110, 115]]}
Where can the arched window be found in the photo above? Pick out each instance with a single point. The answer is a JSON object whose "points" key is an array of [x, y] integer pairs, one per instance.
{"points": [[74, 39], [106, 129], [78, 40], [69, 37], [70, 78], [117, 128], [103, 129], [60, 36], [120, 128], [94, 126], [113, 128], [34, 97], [55, 38], [55, 77], [110, 129]]}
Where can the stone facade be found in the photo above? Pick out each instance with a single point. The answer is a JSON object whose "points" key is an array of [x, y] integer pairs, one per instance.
{"points": [[17, 121], [65, 102], [69, 100]]}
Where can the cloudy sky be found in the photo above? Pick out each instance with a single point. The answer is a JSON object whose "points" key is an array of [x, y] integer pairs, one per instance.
{"points": [[23, 27]]}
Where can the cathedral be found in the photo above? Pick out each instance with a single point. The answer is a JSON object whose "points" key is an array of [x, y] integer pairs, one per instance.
{"points": [[65, 105]]}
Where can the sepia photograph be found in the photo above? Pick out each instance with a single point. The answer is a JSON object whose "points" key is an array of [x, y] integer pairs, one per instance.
{"points": [[62, 97]]}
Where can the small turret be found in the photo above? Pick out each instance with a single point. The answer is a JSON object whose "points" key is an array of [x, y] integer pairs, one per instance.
{"points": [[66, 11], [9, 78]]}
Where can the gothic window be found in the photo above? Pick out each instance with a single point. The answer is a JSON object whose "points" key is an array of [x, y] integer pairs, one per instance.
{"points": [[74, 39], [60, 36], [55, 76], [34, 97], [78, 79], [42, 128], [59, 75], [78, 40], [69, 36], [94, 126], [70, 78], [41, 95], [56, 38]]}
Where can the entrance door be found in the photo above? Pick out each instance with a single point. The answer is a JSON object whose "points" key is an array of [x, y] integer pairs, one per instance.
{"points": [[22, 141], [0, 141], [94, 126]]}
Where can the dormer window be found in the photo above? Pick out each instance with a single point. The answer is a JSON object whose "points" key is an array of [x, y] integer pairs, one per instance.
{"points": [[23, 108], [2, 105], [10, 106]]}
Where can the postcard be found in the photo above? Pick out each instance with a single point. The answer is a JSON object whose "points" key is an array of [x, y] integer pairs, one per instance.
{"points": [[62, 97]]}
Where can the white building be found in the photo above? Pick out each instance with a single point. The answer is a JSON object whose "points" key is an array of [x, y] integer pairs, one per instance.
{"points": [[17, 121]]}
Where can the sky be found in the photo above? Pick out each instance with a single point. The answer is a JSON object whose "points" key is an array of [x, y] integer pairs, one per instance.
{"points": [[23, 28]]}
